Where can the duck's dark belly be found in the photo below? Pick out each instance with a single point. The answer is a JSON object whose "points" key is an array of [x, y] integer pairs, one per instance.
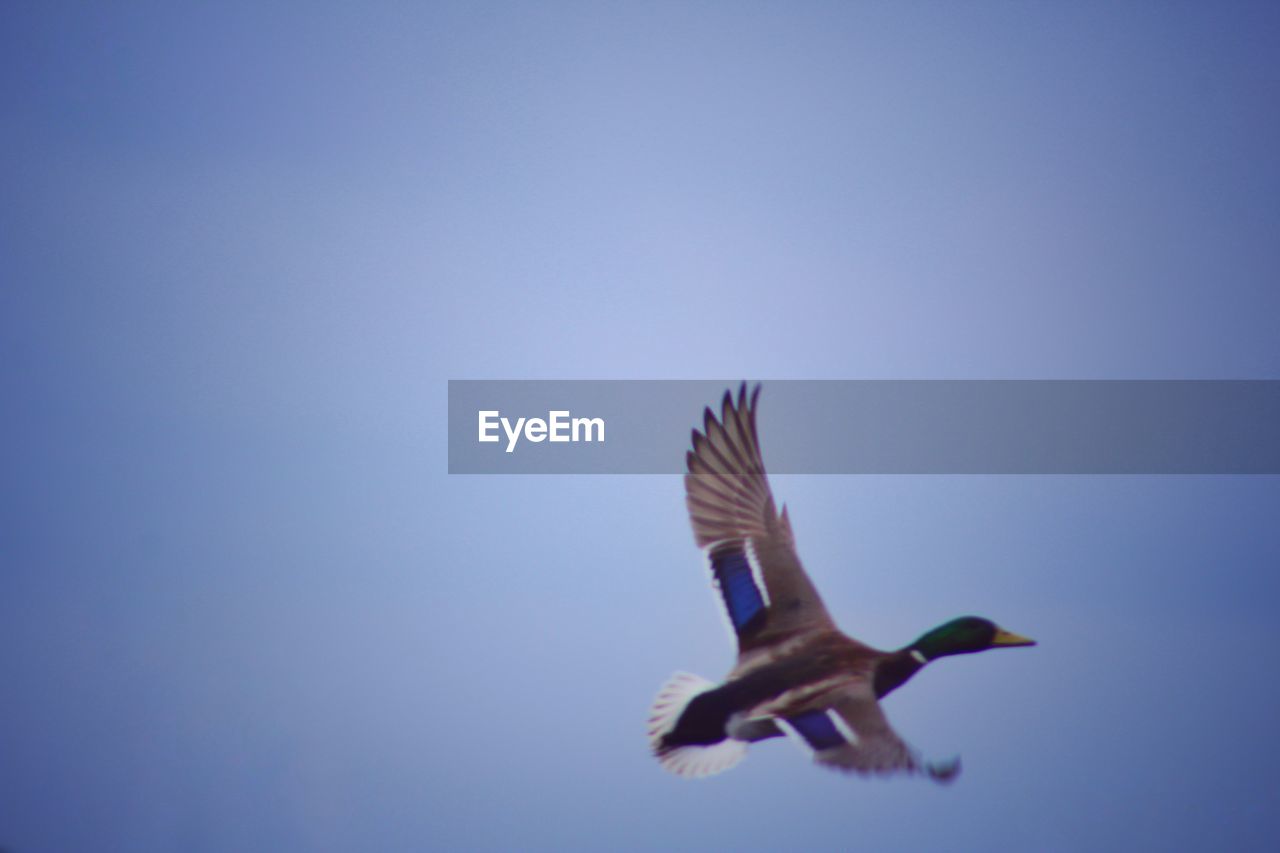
{"points": [[705, 720]]}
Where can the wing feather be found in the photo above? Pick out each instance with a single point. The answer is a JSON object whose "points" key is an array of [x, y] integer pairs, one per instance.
{"points": [[729, 499], [866, 743]]}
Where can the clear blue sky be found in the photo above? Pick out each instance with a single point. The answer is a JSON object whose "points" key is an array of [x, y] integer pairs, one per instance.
{"points": [[242, 605]]}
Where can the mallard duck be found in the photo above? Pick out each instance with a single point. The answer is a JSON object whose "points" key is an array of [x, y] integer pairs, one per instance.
{"points": [[797, 674]]}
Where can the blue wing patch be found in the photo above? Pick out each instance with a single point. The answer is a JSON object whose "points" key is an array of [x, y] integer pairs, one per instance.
{"points": [[739, 586], [818, 730]]}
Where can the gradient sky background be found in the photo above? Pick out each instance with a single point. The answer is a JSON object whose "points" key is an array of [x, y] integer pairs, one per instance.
{"points": [[242, 605]]}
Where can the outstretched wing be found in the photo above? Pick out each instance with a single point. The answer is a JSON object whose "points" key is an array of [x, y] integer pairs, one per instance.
{"points": [[854, 736], [767, 595]]}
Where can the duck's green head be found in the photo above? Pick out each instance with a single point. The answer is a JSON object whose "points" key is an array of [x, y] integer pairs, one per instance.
{"points": [[966, 635]]}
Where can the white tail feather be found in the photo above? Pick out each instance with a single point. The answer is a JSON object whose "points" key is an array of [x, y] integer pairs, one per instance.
{"points": [[691, 761]]}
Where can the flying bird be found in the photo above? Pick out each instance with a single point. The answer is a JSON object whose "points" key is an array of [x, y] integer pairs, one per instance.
{"points": [[796, 674]]}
